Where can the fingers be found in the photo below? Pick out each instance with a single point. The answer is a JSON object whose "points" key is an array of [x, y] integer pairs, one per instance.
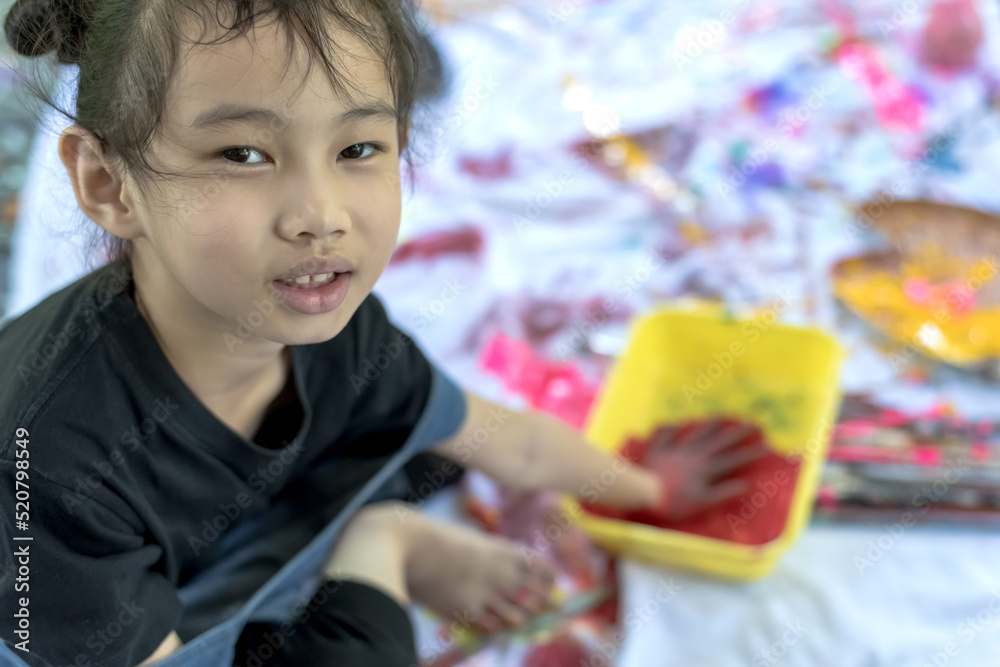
{"points": [[700, 431], [509, 615], [725, 490], [487, 622], [726, 438], [538, 576], [723, 464], [671, 442], [536, 585], [663, 440], [532, 601]]}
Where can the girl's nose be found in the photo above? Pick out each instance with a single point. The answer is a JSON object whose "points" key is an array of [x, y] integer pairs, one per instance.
{"points": [[315, 206]]}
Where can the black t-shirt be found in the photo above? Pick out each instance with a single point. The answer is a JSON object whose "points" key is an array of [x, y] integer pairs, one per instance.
{"points": [[120, 466]]}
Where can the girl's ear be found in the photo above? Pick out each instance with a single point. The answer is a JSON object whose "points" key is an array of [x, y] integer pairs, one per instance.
{"points": [[99, 188]]}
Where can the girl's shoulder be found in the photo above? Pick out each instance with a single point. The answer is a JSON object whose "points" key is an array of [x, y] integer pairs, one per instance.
{"points": [[43, 350]]}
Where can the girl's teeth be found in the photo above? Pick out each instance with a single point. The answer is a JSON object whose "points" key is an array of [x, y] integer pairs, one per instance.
{"points": [[318, 278]]}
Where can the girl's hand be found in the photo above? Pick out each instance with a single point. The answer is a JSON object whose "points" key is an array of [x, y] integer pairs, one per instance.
{"points": [[688, 465]]}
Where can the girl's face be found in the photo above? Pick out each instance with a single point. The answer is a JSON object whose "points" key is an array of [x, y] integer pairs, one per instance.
{"points": [[282, 173]]}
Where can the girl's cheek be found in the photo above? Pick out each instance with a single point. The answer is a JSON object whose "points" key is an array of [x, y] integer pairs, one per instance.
{"points": [[211, 189], [223, 208]]}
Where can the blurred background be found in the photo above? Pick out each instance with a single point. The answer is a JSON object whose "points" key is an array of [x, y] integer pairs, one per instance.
{"points": [[826, 165]]}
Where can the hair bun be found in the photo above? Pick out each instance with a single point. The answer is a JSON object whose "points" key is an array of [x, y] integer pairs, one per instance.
{"points": [[36, 27]]}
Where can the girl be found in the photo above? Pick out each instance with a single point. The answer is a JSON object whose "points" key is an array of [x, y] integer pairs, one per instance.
{"points": [[202, 438]]}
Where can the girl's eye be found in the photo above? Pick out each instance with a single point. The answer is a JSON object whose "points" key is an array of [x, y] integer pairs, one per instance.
{"points": [[240, 154], [357, 151]]}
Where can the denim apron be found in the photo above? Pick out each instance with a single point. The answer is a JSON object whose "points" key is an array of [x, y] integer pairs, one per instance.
{"points": [[285, 593]]}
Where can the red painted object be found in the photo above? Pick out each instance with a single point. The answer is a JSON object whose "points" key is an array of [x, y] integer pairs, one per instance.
{"points": [[563, 651], [953, 35], [487, 169], [755, 518], [466, 240]]}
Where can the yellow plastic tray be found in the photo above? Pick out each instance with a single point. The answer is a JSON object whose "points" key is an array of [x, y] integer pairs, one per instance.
{"points": [[689, 364]]}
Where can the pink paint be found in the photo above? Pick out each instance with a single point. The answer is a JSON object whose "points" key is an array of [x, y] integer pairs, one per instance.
{"points": [[556, 388], [926, 456], [957, 297], [865, 453], [894, 418], [857, 428], [842, 17], [897, 107]]}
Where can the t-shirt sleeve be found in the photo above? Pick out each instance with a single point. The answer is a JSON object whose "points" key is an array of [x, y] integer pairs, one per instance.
{"points": [[87, 579], [394, 383]]}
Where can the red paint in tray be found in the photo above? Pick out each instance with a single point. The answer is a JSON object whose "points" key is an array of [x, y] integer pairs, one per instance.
{"points": [[755, 518]]}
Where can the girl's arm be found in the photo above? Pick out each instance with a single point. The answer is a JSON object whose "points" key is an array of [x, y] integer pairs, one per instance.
{"points": [[531, 450]]}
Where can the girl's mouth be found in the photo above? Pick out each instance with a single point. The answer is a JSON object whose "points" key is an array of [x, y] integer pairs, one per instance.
{"points": [[314, 294]]}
